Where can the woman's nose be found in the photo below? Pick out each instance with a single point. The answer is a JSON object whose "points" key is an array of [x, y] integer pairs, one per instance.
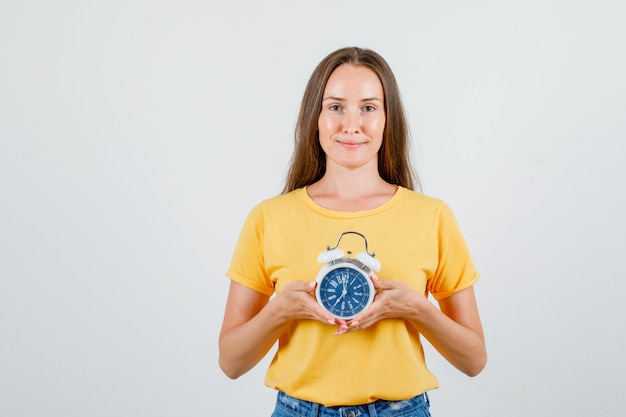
{"points": [[352, 122]]}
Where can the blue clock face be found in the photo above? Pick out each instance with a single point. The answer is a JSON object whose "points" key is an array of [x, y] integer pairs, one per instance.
{"points": [[345, 292]]}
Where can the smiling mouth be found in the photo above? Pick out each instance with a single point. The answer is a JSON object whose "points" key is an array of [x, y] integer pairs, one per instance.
{"points": [[351, 144]]}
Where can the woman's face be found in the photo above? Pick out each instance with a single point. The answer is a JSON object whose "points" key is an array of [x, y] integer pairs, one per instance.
{"points": [[352, 120]]}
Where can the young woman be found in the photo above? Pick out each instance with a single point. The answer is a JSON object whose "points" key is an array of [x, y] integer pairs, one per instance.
{"points": [[351, 172]]}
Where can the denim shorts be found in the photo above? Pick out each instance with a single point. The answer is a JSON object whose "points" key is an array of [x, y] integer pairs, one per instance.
{"points": [[287, 406]]}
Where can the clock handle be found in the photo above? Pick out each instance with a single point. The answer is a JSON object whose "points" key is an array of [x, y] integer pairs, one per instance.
{"points": [[354, 233]]}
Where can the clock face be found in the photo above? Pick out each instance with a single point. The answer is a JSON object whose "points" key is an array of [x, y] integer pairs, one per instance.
{"points": [[345, 291]]}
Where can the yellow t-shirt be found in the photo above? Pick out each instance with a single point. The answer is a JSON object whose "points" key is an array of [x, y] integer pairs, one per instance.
{"points": [[415, 238]]}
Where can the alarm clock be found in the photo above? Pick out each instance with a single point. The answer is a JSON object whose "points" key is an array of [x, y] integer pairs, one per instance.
{"points": [[344, 288]]}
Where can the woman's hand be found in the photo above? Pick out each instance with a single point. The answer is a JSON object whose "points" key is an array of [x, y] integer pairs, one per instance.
{"points": [[298, 302], [454, 329], [252, 322], [394, 300]]}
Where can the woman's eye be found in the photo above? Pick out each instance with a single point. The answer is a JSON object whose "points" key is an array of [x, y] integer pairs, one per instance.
{"points": [[369, 109], [335, 107]]}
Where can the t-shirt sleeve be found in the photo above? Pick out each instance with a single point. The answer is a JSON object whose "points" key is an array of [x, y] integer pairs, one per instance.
{"points": [[247, 265], [455, 270]]}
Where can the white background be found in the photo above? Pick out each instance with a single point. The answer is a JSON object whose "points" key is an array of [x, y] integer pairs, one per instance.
{"points": [[136, 135]]}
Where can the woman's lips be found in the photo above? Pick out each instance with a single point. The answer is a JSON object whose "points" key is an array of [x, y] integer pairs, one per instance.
{"points": [[351, 144]]}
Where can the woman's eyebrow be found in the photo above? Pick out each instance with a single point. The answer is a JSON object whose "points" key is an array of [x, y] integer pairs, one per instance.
{"points": [[343, 99], [333, 98]]}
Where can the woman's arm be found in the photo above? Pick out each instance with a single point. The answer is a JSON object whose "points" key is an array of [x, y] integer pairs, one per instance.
{"points": [[252, 322], [454, 330]]}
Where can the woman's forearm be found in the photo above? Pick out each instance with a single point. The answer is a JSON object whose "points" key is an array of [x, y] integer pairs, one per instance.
{"points": [[243, 345], [455, 331], [253, 323]]}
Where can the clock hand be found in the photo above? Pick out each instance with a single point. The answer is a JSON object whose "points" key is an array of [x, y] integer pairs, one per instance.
{"points": [[343, 294], [344, 291]]}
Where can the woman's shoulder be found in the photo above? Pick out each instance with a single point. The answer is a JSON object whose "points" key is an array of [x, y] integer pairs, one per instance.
{"points": [[283, 199], [286, 201], [416, 197], [431, 209]]}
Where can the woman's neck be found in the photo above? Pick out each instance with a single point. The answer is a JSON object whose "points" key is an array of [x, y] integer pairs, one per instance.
{"points": [[351, 190]]}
